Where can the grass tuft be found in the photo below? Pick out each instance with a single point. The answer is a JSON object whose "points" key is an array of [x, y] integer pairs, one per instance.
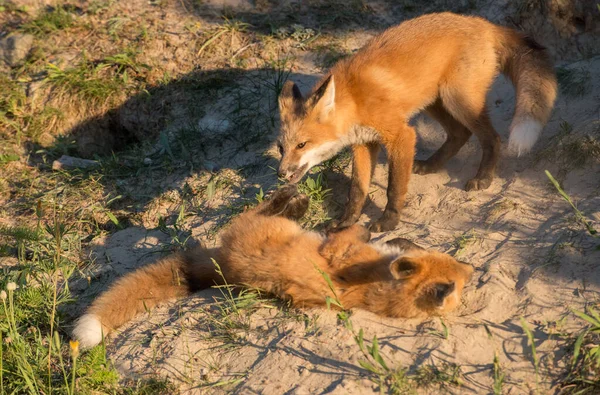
{"points": [[49, 20], [584, 377], [89, 81]]}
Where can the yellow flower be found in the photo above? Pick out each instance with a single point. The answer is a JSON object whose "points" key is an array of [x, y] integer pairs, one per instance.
{"points": [[11, 286], [3, 295], [74, 344]]}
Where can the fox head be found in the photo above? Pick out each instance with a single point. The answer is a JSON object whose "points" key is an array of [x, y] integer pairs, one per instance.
{"points": [[437, 279], [309, 129]]}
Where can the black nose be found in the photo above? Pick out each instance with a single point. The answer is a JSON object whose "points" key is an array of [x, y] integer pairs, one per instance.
{"points": [[281, 174]]}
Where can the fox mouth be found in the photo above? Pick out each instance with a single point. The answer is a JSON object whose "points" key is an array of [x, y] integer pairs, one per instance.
{"points": [[298, 174]]}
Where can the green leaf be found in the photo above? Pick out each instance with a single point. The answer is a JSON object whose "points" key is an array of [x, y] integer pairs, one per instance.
{"points": [[594, 313], [367, 365], [112, 217], [260, 196], [181, 215], [210, 189], [361, 339], [577, 348], [375, 354], [587, 318]]}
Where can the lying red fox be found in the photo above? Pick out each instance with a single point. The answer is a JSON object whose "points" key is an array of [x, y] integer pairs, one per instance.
{"points": [[443, 64], [265, 248]]}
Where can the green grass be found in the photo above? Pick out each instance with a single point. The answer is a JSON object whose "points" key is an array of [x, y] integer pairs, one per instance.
{"points": [[446, 374], [534, 355], [316, 189], [584, 375], [498, 375], [89, 81], [49, 20], [36, 357], [579, 215], [464, 241]]}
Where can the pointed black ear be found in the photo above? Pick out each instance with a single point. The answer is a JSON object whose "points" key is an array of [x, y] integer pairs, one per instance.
{"points": [[404, 244], [403, 268], [324, 94], [290, 91], [438, 292]]}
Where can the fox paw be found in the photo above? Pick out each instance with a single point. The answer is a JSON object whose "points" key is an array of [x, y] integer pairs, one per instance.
{"points": [[341, 224], [384, 224], [423, 167], [283, 194], [278, 201], [296, 207], [477, 184]]}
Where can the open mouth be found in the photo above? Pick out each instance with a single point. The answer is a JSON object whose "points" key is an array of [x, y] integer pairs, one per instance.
{"points": [[298, 174]]}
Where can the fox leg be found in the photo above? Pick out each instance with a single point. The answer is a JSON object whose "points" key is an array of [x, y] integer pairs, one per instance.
{"points": [[490, 144], [401, 154], [364, 158], [482, 128], [457, 136], [468, 106]]}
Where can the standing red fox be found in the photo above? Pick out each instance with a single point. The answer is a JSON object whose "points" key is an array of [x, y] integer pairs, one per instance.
{"points": [[265, 248], [441, 63]]}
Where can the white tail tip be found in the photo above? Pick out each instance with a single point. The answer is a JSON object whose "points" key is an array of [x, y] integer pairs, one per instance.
{"points": [[88, 330], [523, 135]]}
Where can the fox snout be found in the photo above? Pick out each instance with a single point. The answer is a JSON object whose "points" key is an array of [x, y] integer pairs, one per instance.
{"points": [[291, 174], [287, 172]]}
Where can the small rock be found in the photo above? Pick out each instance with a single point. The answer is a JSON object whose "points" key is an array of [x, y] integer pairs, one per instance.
{"points": [[69, 162], [204, 374], [147, 161], [15, 48]]}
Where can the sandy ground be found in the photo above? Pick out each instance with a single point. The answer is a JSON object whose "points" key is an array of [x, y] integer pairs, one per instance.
{"points": [[532, 260]]}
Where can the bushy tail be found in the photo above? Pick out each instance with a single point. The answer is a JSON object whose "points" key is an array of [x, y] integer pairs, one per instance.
{"points": [[529, 67], [171, 278]]}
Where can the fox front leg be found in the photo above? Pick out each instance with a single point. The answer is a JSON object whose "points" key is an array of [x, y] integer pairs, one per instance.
{"points": [[401, 155], [364, 158]]}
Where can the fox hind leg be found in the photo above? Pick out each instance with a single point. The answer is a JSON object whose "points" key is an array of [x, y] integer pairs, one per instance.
{"points": [[457, 136], [471, 111]]}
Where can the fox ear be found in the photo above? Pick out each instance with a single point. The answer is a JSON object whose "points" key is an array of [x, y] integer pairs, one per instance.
{"points": [[324, 97], [290, 95], [403, 268]]}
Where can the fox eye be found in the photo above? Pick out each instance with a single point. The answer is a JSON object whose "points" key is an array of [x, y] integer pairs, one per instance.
{"points": [[301, 145]]}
